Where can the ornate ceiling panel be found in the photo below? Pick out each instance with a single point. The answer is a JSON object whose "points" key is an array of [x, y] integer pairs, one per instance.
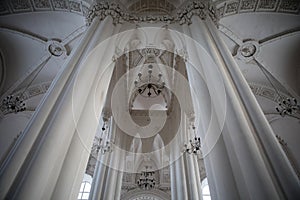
{"points": [[22, 6], [158, 6], [226, 8]]}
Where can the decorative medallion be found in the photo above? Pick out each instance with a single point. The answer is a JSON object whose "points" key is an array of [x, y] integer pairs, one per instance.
{"points": [[56, 48], [248, 50]]}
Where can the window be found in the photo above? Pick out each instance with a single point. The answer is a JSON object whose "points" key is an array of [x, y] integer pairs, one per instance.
{"points": [[84, 191], [205, 190]]}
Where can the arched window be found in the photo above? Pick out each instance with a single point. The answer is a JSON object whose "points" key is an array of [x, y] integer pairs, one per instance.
{"points": [[85, 187], [205, 190], [84, 191]]}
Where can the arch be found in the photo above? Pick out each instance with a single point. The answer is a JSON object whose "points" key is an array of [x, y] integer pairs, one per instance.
{"points": [[158, 143], [131, 40]]}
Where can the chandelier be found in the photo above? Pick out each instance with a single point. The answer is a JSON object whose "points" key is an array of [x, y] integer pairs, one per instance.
{"points": [[146, 180], [149, 85], [13, 104], [288, 106], [104, 146], [194, 144]]}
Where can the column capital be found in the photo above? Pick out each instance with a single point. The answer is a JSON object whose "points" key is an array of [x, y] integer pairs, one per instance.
{"points": [[181, 15]]}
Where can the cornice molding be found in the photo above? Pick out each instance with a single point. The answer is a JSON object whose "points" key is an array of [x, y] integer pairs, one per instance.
{"points": [[183, 15], [227, 8], [8, 7]]}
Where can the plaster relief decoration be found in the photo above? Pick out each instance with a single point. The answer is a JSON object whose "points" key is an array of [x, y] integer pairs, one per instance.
{"points": [[225, 8], [289, 5], [60, 4], [247, 5], [146, 180], [85, 9], [267, 4], [139, 194], [75, 6], [41, 4], [286, 105], [248, 50], [182, 16], [12, 104], [34, 90], [265, 91], [56, 48], [162, 6], [145, 198], [20, 5], [232, 8]]}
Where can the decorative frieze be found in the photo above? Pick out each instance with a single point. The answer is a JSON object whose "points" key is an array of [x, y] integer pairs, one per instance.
{"points": [[60, 4], [247, 5], [21, 6], [267, 4], [75, 6], [161, 6], [289, 5], [226, 8], [42, 4], [232, 8], [182, 16]]}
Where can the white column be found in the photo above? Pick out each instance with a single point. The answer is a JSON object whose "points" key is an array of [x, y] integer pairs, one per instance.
{"points": [[239, 157], [191, 177], [181, 185], [197, 176], [280, 170], [173, 181], [112, 176], [221, 179], [78, 153], [116, 166], [34, 167], [15, 160], [119, 185], [99, 176]]}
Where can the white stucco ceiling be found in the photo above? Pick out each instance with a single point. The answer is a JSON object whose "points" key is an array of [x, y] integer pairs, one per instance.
{"points": [[25, 45]]}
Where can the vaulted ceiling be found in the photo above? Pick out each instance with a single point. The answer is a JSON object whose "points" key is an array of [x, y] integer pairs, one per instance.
{"points": [[38, 36]]}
